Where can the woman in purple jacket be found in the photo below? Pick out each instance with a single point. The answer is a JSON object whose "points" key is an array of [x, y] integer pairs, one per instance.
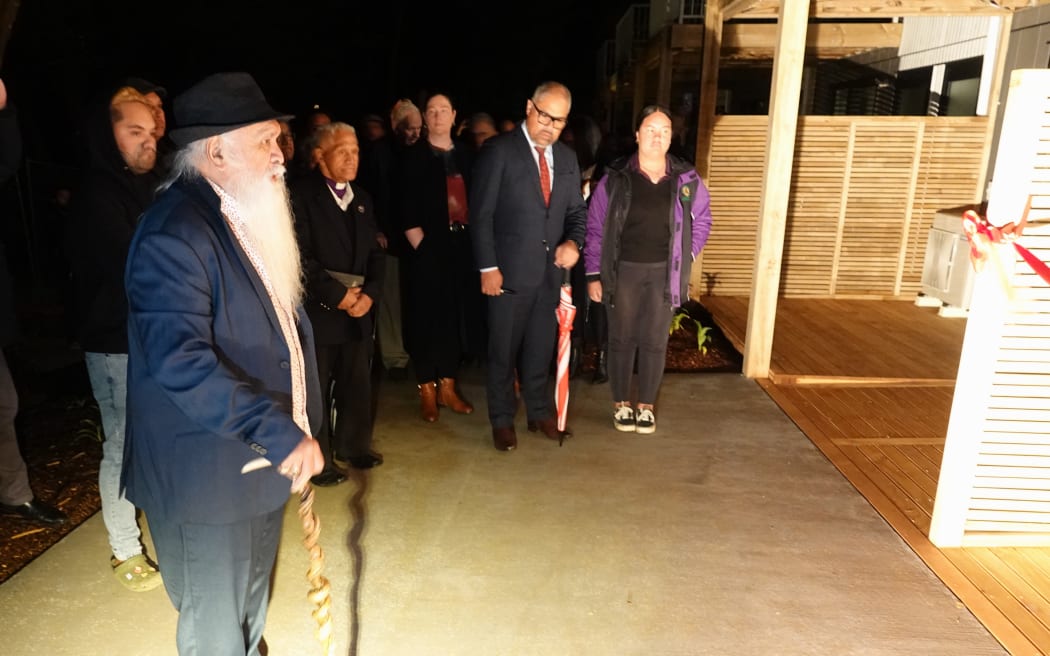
{"points": [[648, 219]]}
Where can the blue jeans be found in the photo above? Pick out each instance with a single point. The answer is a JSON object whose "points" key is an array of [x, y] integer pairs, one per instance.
{"points": [[109, 382]]}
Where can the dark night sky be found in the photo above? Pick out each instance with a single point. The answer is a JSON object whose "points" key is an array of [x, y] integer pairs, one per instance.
{"points": [[351, 57]]}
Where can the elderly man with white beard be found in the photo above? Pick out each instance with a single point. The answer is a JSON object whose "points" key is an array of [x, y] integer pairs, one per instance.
{"points": [[223, 393]]}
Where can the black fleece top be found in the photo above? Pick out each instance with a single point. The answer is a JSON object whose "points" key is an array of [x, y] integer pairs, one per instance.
{"points": [[104, 212]]}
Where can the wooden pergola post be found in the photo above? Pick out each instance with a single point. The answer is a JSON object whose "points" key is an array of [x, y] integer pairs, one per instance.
{"points": [[664, 65], [708, 87], [784, 95]]}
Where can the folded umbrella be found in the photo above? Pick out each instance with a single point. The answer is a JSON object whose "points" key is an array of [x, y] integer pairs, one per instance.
{"points": [[565, 314]]}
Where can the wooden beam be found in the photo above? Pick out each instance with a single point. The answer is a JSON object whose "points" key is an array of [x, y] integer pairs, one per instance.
{"points": [[705, 122], [823, 40], [776, 188], [881, 9]]}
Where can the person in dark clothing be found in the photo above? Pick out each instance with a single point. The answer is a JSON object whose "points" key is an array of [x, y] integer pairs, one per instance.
{"points": [[116, 189], [343, 265], [648, 219], [442, 279], [379, 173], [16, 497]]}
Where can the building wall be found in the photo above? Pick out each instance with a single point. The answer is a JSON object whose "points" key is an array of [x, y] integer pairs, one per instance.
{"points": [[1029, 48], [940, 40]]}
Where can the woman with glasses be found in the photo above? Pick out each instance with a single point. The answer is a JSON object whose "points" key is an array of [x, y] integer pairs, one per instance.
{"points": [[649, 217]]}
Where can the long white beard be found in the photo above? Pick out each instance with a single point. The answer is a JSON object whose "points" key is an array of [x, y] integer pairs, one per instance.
{"points": [[268, 217]]}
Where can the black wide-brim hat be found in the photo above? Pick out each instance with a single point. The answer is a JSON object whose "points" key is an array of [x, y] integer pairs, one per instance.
{"points": [[218, 104]]}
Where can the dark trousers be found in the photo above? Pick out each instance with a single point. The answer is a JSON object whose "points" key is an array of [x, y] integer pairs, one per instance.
{"points": [[522, 334], [344, 370], [639, 319], [14, 479], [218, 578]]}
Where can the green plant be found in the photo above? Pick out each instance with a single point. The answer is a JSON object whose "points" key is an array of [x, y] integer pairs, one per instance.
{"points": [[702, 336]]}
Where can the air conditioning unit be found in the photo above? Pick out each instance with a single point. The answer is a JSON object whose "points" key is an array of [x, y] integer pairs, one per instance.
{"points": [[947, 274]]}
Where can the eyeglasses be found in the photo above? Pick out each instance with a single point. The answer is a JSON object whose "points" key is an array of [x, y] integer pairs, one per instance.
{"points": [[546, 119]]}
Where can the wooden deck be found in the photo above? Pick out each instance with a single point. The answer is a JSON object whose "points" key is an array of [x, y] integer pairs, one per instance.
{"points": [[871, 384]]}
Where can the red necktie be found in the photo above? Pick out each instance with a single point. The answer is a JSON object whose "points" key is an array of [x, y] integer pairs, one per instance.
{"points": [[545, 177]]}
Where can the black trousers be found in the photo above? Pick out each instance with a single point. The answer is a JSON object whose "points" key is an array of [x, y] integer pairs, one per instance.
{"points": [[522, 334], [346, 381], [218, 578], [639, 320]]}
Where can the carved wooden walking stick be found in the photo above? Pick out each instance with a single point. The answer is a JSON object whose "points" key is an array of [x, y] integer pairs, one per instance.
{"points": [[320, 593]]}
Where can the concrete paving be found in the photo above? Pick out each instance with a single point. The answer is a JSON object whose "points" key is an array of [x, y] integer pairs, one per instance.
{"points": [[725, 532]]}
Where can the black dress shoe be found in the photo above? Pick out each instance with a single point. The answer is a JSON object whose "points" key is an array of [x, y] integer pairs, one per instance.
{"points": [[367, 461], [504, 439], [549, 428], [36, 511], [327, 478]]}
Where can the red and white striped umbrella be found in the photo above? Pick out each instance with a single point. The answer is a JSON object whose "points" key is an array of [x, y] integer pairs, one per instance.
{"points": [[565, 313]]}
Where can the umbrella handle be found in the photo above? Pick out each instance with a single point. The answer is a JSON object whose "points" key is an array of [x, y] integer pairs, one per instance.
{"points": [[566, 277]]}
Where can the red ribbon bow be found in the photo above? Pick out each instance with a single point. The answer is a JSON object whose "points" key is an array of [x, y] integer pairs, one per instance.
{"points": [[983, 234]]}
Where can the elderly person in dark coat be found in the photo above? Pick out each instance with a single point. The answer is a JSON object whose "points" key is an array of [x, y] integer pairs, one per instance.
{"points": [[223, 395]]}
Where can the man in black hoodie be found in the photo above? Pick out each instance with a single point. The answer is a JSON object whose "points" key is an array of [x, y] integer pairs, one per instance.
{"points": [[118, 185]]}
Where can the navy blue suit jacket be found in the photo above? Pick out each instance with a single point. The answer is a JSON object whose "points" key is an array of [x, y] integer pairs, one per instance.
{"points": [[511, 228], [209, 385]]}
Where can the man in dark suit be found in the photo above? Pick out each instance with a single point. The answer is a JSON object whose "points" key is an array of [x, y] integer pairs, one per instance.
{"points": [[221, 375], [337, 231], [529, 222]]}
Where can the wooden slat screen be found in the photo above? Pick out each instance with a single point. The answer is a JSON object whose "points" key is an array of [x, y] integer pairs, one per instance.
{"points": [[864, 193]]}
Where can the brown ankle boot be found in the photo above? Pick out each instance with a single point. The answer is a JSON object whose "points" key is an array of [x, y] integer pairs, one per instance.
{"points": [[447, 396], [428, 401]]}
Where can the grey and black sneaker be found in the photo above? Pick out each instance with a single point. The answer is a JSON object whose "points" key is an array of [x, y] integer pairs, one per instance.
{"points": [[623, 419], [646, 422]]}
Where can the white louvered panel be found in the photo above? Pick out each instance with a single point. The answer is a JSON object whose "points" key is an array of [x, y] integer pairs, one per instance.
{"points": [[1035, 463], [992, 438], [1016, 426], [1021, 367], [1017, 414], [1011, 516], [1026, 331], [1000, 449], [994, 485], [1018, 379], [998, 401], [1019, 473], [1002, 526], [986, 484], [984, 496], [1011, 391]]}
